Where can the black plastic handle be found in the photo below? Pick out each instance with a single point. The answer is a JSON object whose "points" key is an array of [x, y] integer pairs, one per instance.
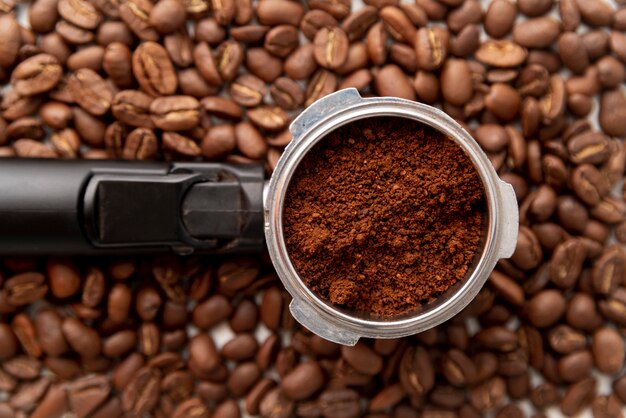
{"points": [[98, 207]]}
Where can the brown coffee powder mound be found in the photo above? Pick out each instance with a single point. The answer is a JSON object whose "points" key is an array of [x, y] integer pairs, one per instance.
{"points": [[383, 215]]}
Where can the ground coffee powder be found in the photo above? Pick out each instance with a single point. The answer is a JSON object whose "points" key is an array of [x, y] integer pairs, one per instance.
{"points": [[383, 215]]}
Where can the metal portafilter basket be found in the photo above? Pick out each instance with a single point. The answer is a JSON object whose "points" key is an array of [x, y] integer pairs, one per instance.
{"points": [[53, 207]]}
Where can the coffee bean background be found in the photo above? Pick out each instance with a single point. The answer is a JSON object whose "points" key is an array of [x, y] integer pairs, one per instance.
{"points": [[539, 83]]}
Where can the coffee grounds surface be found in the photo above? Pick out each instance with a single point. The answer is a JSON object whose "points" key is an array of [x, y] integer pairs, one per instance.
{"points": [[383, 215]]}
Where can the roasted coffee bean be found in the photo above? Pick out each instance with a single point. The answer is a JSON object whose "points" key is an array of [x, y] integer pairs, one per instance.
{"points": [[154, 70], [180, 144], [179, 46], [263, 64], [488, 395], [331, 47], [90, 91], [270, 118], [64, 278], [222, 107], [193, 84], [27, 397], [287, 93], [608, 350], [609, 270], [377, 43], [111, 31], [25, 332], [589, 184], [9, 347], [573, 53], [466, 41], [48, 324], [577, 396], [132, 107], [357, 23], [211, 311], [612, 110], [73, 34], [245, 316], [535, 7], [120, 296], [167, 16], [391, 81], [22, 367], [338, 9], [252, 145], [54, 45], [175, 113], [191, 408], [82, 339], [56, 115], [303, 381], [598, 14], [469, 12], [359, 79], [499, 18], [536, 33], [229, 56], [497, 338], [53, 404], [205, 63], [243, 377], [397, 23], [588, 147], [502, 101], [501, 53], [119, 343], [79, 13], [567, 262], [281, 40], [136, 15], [340, 403], [300, 64], [247, 90], [87, 393], [29, 148], [42, 15], [241, 347], [140, 144], [404, 56], [218, 142], [248, 34], [528, 253], [142, 393], [416, 371], [280, 12], [25, 288], [546, 308], [35, 75], [149, 339], [565, 340], [431, 48], [25, 128], [10, 34], [575, 366], [456, 82], [117, 62], [275, 404]]}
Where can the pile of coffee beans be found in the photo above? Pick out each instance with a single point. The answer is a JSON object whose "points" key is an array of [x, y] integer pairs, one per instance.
{"points": [[539, 83]]}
